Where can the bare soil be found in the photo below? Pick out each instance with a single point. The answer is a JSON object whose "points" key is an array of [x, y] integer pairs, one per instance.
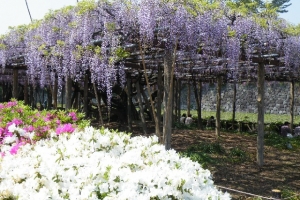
{"points": [[281, 169]]}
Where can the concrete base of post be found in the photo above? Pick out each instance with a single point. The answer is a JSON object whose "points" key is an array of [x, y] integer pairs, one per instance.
{"points": [[276, 194]]}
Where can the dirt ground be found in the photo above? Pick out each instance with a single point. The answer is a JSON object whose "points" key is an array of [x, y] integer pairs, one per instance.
{"points": [[281, 168]]}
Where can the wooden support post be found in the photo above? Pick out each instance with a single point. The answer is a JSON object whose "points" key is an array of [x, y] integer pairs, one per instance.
{"points": [[54, 95], [218, 113], [188, 100], [15, 83], [159, 101], [49, 98], [85, 95], [198, 94], [98, 104], [292, 103], [147, 104], [26, 100], [178, 97], [139, 96], [31, 96], [129, 103], [68, 95], [260, 114], [176, 119], [234, 103]]}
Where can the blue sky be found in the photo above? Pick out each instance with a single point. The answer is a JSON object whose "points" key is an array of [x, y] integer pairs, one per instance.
{"points": [[14, 12], [293, 16]]}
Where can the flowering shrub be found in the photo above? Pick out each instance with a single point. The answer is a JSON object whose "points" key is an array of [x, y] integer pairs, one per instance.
{"points": [[102, 164], [19, 125]]}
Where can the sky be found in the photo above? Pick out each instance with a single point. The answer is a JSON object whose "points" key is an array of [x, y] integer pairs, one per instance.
{"points": [[14, 12]]}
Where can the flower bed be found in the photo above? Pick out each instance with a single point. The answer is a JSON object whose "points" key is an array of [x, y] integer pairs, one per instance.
{"points": [[100, 164]]}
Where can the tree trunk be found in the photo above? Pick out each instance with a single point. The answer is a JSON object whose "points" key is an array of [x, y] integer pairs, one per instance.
{"points": [[234, 103], [260, 114], [157, 129], [168, 98], [218, 113], [139, 96], [292, 103]]}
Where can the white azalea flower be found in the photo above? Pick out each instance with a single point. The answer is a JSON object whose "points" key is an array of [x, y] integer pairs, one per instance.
{"points": [[93, 162], [10, 139]]}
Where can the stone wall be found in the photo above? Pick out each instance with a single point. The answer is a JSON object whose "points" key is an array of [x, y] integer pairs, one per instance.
{"points": [[277, 98]]}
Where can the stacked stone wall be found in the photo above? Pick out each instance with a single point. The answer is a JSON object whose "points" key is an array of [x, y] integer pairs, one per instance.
{"points": [[277, 98]]}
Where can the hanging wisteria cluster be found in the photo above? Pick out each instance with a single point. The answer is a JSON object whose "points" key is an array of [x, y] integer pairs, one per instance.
{"points": [[93, 37]]}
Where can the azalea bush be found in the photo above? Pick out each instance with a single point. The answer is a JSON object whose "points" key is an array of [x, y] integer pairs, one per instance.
{"points": [[19, 124], [102, 164]]}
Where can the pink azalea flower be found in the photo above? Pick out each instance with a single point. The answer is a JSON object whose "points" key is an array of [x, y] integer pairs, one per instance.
{"points": [[65, 128], [29, 128], [15, 148], [11, 104], [17, 121], [73, 116]]}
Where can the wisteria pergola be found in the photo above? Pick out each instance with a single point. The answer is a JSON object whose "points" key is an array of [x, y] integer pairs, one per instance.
{"points": [[153, 43]]}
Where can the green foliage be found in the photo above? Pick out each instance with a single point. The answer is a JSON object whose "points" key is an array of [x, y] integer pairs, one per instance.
{"points": [[293, 30], [207, 154], [85, 6], [121, 53], [277, 141], [290, 194], [238, 155]]}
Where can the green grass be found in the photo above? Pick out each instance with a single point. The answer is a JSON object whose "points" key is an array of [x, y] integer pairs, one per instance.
{"points": [[249, 117]]}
